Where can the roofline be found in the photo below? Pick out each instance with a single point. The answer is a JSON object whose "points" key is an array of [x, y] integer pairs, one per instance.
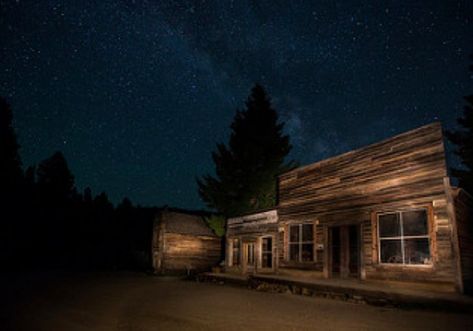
{"points": [[259, 211], [318, 163], [195, 212]]}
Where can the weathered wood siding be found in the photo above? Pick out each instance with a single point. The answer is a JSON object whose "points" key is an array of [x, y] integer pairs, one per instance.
{"points": [[464, 220], [184, 252], [183, 242], [253, 224], [252, 228], [404, 172]]}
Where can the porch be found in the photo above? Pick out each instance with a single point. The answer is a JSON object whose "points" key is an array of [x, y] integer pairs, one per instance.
{"points": [[373, 292]]}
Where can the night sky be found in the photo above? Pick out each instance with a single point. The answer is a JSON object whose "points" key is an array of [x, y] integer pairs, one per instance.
{"points": [[137, 93]]}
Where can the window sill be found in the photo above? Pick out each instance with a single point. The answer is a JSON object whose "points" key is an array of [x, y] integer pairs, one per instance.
{"points": [[405, 266]]}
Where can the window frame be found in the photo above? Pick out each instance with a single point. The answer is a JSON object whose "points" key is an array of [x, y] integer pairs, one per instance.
{"points": [[301, 243], [262, 252], [402, 238]]}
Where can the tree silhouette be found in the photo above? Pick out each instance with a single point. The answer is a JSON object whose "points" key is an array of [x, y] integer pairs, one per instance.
{"points": [[463, 139], [10, 164], [55, 180], [246, 169]]}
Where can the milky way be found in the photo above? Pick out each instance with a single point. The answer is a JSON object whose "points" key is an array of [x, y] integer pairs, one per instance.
{"points": [[137, 93]]}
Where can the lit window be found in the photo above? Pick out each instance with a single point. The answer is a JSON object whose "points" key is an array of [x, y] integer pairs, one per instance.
{"points": [[301, 243], [404, 237]]}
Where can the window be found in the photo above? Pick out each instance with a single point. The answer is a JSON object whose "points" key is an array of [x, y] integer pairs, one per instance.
{"points": [[267, 252], [250, 259], [236, 252], [404, 237], [301, 242]]}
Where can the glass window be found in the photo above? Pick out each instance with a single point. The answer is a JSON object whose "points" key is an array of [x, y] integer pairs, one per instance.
{"points": [[404, 237], [307, 232], [294, 233], [414, 223], [301, 242], [390, 225], [267, 252], [236, 252]]}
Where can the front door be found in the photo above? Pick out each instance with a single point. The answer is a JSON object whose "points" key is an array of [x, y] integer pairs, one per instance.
{"points": [[249, 257], [344, 258]]}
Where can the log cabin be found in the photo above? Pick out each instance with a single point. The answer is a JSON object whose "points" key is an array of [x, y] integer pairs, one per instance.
{"points": [[183, 243], [386, 211]]}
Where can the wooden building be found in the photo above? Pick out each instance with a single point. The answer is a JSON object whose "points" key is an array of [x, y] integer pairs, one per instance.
{"points": [[385, 211], [250, 243], [183, 243]]}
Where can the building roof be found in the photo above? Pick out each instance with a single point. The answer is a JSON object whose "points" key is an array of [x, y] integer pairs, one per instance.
{"points": [[184, 222], [378, 143]]}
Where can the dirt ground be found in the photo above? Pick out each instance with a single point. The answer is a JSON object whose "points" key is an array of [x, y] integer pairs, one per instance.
{"points": [[139, 302]]}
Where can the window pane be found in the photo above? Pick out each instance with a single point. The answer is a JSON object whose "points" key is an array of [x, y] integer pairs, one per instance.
{"points": [[294, 252], [389, 225], [391, 251], [416, 251], [307, 252], [267, 244], [294, 233], [267, 260], [307, 232], [414, 223]]}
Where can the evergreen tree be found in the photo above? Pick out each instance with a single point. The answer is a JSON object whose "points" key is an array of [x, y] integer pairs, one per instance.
{"points": [[55, 180], [11, 184], [10, 164], [246, 169], [463, 139]]}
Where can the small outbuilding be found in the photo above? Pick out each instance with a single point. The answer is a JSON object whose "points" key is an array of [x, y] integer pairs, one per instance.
{"points": [[182, 242], [251, 243]]}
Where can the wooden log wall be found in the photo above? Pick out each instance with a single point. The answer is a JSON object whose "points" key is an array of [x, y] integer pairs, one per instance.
{"points": [[190, 252], [403, 172], [182, 242]]}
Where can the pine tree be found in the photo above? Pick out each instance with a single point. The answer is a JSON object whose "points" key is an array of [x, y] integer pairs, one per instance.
{"points": [[246, 169], [55, 180], [10, 164], [463, 139]]}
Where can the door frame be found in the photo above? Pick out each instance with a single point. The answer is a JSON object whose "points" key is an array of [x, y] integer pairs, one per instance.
{"points": [[248, 268], [344, 251]]}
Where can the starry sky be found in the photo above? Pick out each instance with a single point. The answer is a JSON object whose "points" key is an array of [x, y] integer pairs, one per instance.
{"points": [[137, 93]]}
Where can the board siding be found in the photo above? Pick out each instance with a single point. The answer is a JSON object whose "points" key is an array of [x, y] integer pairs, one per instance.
{"points": [[403, 172], [176, 251]]}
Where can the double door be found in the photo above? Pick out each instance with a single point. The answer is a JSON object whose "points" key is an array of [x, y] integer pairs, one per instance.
{"points": [[344, 251]]}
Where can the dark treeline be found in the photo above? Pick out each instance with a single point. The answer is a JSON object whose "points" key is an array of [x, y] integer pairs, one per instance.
{"points": [[46, 223]]}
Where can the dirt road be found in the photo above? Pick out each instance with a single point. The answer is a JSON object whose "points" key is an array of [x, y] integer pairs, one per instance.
{"points": [[139, 302]]}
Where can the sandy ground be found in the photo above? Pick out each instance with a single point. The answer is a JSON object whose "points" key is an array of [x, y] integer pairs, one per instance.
{"points": [[139, 302]]}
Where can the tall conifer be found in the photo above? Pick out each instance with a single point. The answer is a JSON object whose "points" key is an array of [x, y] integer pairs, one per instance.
{"points": [[246, 169]]}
